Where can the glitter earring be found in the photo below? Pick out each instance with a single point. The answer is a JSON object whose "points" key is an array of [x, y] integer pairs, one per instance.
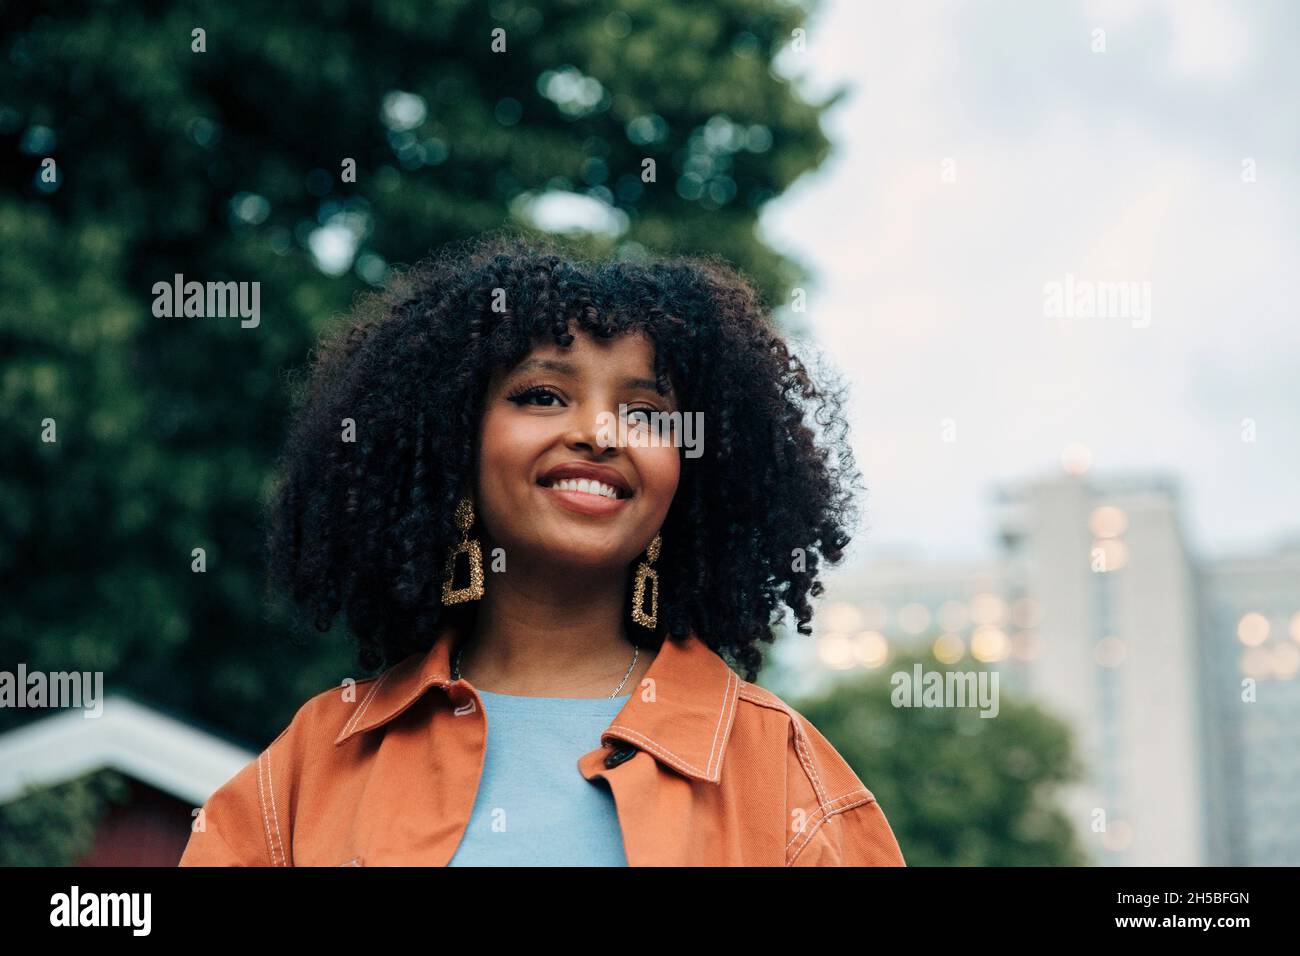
{"points": [[638, 591], [474, 590]]}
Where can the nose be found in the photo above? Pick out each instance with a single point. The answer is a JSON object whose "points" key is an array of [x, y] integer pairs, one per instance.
{"points": [[594, 432]]}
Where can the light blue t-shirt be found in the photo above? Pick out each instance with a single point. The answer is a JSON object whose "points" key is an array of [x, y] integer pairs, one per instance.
{"points": [[534, 807]]}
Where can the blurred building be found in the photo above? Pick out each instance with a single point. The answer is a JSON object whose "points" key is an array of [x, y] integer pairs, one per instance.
{"points": [[1117, 657], [171, 768], [1250, 616], [1097, 609]]}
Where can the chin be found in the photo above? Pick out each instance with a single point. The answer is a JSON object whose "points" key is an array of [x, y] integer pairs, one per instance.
{"points": [[575, 553]]}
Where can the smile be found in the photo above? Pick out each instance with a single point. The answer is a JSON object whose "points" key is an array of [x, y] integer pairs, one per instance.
{"points": [[586, 486], [585, 496]]}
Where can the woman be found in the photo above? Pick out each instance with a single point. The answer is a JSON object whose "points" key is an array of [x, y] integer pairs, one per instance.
{"points": [[561, 503]]}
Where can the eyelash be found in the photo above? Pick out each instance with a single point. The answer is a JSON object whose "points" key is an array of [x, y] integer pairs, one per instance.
{"points": [[520, 395], [525, 391]]}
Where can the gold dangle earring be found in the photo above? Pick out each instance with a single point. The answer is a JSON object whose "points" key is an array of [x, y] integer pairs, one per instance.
{"points": [[474, 590], [638, 591]]}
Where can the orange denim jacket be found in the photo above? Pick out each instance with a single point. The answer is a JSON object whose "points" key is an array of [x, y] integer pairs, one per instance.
{"points": [[705, 769]]}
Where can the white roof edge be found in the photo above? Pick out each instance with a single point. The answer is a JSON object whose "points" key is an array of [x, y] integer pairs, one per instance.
{"points": [[136, 740]]}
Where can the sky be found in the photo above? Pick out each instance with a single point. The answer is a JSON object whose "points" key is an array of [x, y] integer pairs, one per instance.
{"points": [[987, 150]]}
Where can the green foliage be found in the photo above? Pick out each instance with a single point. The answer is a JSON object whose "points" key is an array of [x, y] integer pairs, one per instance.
{"points": [[958, 789], [224, 165], [55, 826], [221, 166]]}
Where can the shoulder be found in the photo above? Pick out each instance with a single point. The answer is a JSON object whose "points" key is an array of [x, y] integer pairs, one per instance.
{"points": [[247, 821], [832, 817]]}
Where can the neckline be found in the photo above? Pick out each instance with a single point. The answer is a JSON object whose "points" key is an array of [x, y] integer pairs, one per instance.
{"points": [[623, 699]]}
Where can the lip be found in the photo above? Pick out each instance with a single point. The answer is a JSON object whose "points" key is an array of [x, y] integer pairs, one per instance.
{"points": [[583, 502], [583, 469]]}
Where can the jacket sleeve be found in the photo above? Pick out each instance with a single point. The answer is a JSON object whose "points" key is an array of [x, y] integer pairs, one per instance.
{"points": [[856, 835], [840, 823], [239, 827]]}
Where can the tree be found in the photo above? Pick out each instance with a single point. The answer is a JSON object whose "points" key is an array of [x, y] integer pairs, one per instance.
{"points": [[958, 789], [139, 141]]}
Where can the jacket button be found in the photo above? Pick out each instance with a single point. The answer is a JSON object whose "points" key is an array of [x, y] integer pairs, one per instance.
{"points": [[619, 755]]}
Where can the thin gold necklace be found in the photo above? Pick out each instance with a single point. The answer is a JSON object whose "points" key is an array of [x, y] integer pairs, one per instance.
{"points": [[636, 651]]}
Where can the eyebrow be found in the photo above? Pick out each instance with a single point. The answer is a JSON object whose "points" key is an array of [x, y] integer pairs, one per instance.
{"points": [[568, 368]]}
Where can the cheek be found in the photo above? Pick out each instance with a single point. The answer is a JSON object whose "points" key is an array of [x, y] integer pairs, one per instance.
{"points": [[659, 470], [505, 438], [502, 451]]}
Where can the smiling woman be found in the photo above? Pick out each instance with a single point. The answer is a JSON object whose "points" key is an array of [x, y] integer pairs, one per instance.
{"points": [[480, 383], [541, 463]]}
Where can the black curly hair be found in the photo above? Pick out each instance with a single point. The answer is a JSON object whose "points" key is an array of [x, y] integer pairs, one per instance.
{"points": [[363, 527]]}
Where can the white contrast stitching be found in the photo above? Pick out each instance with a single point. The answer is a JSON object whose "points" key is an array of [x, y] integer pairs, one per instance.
{"points": [[767, 699], [801, 739], [791, 857], [654, 747], [804, 845], [826, 807], [261, 799], [275, 816], [347, 728], [717, 731]]}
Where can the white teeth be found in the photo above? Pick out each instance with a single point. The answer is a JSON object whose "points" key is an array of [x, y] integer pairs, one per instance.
{"points": [[586, 486]]}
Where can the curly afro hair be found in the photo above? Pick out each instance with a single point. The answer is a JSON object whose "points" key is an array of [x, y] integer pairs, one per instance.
{"points": [[362, 528]]}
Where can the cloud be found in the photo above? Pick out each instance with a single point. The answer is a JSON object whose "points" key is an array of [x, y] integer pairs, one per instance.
{"points": [[929, 293]]}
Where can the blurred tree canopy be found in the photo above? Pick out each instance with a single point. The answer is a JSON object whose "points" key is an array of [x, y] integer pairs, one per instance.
{"points": [[958, 789], [56, 826], [220, 155], [227, 165]]}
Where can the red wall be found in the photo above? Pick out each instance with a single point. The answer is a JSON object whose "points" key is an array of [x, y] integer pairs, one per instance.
{"points": [[149, 829]]}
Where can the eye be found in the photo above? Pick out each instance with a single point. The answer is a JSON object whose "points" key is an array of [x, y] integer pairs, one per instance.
{"points": [[639, 417], [534, 395]]}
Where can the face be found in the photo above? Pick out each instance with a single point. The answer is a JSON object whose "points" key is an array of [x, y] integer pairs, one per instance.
{"points": [[540, 448]]}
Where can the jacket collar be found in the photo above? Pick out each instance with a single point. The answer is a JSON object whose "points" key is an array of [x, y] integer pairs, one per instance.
{"points": [[681, 713]]}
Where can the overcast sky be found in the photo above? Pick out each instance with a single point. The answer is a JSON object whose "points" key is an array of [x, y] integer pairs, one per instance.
{"points": [[1122, 165]]}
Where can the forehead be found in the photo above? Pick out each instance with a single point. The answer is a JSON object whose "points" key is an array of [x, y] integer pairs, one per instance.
{"points": [[632, 353]]}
